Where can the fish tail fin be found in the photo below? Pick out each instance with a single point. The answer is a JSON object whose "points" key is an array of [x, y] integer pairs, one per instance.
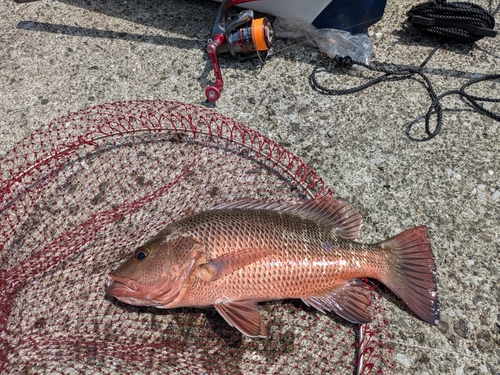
{"points": [[411, 272]]}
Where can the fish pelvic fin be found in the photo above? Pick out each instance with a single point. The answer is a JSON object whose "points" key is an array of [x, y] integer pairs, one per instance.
{"points": [[351, 302], [411, 272], [230, 262], [243, 315]]}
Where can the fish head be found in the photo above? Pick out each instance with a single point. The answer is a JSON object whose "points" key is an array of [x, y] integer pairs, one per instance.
{"points": [[155, 273]]}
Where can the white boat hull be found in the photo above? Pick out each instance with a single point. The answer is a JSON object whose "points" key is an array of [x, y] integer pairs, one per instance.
{"points": [[306, 10]]}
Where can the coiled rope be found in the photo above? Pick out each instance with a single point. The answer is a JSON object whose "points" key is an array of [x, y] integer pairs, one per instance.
{"points": [[460, 21]]}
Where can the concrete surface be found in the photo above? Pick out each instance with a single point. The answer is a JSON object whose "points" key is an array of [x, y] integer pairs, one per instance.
{"points": [[61, 56]]}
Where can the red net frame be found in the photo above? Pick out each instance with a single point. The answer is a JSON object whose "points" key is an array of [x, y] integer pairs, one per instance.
{"points": [[79, 193]]}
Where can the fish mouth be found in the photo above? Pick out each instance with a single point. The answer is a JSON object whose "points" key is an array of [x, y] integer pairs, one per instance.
{"points": [[125, 290], [129, 283], [128, 291], [121, 286]]}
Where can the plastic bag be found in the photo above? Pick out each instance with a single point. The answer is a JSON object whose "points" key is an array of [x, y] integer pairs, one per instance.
{"points": [[331, 41]]}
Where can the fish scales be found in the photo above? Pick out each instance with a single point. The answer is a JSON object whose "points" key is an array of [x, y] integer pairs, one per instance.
{"points": [[300, 265], [242, 253]]}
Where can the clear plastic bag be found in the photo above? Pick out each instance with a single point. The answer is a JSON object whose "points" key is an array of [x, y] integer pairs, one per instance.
{"points": [[331, 41]]}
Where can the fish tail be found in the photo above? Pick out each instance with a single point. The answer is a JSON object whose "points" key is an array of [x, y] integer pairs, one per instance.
{"points": [[411, 272]]}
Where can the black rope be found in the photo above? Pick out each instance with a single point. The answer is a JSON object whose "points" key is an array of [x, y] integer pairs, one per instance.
{"points": [[461, 21], [398, 73]]}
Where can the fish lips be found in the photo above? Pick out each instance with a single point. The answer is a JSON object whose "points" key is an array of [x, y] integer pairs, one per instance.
{"points": [[125, 290]]}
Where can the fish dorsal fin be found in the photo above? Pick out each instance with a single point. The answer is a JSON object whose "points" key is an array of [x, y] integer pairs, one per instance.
{"points": [[351, 302], [251, 204], [328, 210], [230, 262], [243, 315], [333, 212]]}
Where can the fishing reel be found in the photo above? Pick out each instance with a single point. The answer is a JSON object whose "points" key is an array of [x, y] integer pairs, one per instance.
{"points": [[242, 35]]}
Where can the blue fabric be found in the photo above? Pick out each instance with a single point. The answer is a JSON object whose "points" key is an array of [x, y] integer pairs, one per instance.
{"points": [[350, 15]]}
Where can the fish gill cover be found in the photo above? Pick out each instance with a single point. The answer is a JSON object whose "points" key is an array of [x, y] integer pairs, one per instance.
{"points": [[82, 191]]}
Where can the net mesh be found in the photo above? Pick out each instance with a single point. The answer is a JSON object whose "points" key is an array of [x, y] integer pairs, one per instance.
{"points": [[82, 191]]}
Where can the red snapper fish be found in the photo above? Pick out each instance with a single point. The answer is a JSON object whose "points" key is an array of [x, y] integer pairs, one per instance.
{"points": [[242, 253]]}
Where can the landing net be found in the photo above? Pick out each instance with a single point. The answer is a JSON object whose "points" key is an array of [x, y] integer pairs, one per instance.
{"points": [[80, 193]]}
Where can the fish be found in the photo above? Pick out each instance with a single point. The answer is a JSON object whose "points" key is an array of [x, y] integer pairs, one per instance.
{"points": [[241, 253]]}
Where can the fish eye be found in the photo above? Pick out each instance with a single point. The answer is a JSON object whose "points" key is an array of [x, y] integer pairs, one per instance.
{"points": [[142, 252]]}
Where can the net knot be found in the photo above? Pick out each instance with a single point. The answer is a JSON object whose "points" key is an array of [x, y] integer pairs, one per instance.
{"points": [[90, 142]]}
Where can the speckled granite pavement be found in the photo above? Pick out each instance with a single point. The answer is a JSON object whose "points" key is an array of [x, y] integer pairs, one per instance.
{"points": [[57, 57]]}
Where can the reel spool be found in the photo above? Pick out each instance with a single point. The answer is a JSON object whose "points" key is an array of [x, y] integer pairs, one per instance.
{"points": [[243, 35]]}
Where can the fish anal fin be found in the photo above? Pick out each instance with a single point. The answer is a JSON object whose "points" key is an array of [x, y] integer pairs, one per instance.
{"points": [[351, 302], [243, 315], [230, 262]]}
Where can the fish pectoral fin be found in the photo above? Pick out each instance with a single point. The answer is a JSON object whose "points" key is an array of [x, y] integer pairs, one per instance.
{"points": [[243, 315], [351, 302], [230, 262]]}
